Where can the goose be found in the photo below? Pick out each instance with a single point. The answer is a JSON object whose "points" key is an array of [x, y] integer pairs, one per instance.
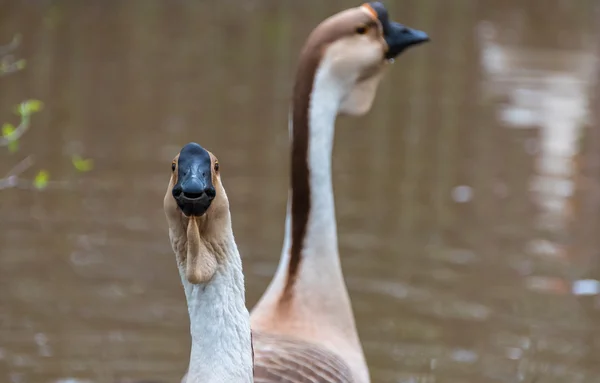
{"points": [[303, 328], [210, 267], [303, 325]]}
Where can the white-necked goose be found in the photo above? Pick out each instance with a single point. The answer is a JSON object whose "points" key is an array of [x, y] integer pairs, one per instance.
{"points": [[210, 267], [303, 326]]}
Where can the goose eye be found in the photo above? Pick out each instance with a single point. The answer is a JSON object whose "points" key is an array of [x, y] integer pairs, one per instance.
{"points": [[361, 30], [173, 167], [216, 166]]}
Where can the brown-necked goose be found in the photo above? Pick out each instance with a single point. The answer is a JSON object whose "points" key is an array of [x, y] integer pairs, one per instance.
{"points": [[303, 326]]}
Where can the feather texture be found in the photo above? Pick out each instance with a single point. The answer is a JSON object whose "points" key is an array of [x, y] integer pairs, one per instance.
{"points": [[282, 359]]}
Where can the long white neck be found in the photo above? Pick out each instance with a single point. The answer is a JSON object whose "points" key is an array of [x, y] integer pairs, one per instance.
{"points": [[219, 322], [319, 252], [309, 270]]}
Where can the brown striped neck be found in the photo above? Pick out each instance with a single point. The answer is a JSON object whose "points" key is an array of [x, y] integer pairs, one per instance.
{"points": [[312, 230], [337, 73], [300, 198]]}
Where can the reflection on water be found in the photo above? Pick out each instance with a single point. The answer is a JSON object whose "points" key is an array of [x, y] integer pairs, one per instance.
{"points": [[472, 257]]}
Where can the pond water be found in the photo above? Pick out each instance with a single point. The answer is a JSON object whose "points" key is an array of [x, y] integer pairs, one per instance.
{"points": [[472, 257]]}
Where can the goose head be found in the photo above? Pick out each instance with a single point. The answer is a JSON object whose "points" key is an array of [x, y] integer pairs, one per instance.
{"points": [[197, 211], [355, 46]]}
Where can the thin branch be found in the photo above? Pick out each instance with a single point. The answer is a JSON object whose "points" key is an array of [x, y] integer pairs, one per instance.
{"points": [[11, 179], [17, 133], [6, 49], [8, 67], [9, 182], [8, 63], [21, 166]]}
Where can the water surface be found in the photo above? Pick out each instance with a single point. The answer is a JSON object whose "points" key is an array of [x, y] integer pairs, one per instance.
{"points": [[467, 200]]}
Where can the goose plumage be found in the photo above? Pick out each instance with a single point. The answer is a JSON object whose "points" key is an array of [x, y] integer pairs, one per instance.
{"points": [[197, 212], [303, 326]]}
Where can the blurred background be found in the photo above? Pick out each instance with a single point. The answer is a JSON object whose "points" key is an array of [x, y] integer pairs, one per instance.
{"points": [[473, 256]]}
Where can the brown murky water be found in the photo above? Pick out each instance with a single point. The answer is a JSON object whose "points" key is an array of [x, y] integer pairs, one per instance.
{"points": [[468, 200]]}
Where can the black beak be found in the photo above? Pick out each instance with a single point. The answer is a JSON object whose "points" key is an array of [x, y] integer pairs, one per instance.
{"points": [[397, 36], [194, 190]]}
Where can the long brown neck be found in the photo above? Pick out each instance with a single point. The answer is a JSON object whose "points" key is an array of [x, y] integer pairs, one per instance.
{"points": [[310, 245], [300, 185], [308, 288], [312, 235]]}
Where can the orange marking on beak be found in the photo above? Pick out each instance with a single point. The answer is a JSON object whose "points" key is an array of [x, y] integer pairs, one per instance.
{"points": [[370, 10]]}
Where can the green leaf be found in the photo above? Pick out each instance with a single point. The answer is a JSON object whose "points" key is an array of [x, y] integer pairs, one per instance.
{"points": [[41, 179], [28, 107], [20, 109], [34, 105], [13, 146], [21, 64], [82, 165], [7, 130]]}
